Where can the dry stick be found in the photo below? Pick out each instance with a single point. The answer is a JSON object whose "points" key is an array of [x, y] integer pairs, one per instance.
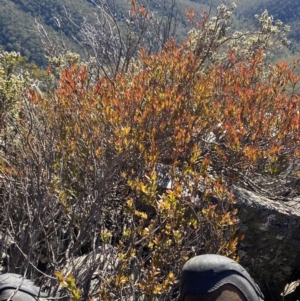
{"points": [[16, 290]]}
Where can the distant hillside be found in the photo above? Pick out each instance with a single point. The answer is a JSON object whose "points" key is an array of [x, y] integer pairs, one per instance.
{"points": [[18, 17]]}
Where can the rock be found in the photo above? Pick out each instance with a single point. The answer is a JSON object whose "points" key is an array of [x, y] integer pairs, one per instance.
{"points": [[88, 270], [270, 250]]}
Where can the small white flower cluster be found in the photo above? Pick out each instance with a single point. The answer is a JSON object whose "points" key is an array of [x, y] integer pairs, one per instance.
{"points": [[215, 37], [63, 61]]}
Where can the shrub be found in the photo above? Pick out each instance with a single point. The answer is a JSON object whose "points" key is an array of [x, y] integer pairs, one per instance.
{"points": [[141, 165]]}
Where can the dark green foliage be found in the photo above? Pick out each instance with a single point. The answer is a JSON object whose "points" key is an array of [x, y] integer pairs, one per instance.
{"points": [[17, 24]]}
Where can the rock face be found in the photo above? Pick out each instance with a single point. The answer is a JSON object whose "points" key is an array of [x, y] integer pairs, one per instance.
{"points": [[270, 250]]}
